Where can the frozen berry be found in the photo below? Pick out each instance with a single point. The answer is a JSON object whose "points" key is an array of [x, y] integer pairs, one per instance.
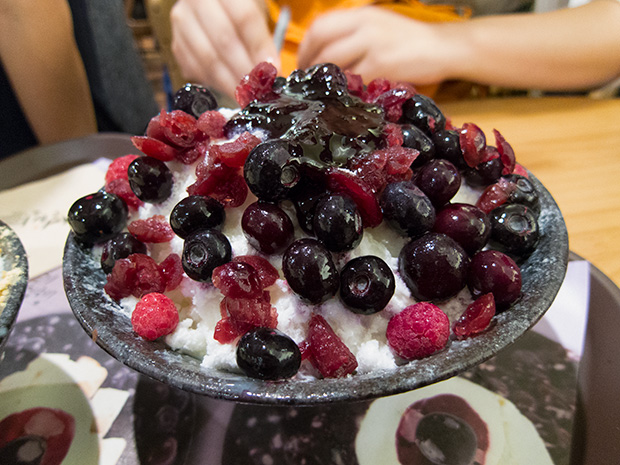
{"points": [[194, 99], [423, 113], [269, 354], [337, 223], [150, 179], [310, 271], [415, 138], [366, 284], [495, 272], [120, 246], [194, 213], [329, 354], [407, 209], [155, 316], [97, 217], [203, 251], [434, 267], [466, 224], [418, 331], [440, 180], [267, 227], [514, 230]]}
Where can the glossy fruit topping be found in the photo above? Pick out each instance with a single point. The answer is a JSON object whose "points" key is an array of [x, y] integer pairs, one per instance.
{"points": [[466, 224], [120, 246], [337, 223], [268, 354], [203, 251], [407, 209], [194, 213], [194, 100], [150, 179], [155, 316], [439, 179], [267, 227], [310, 271], [434, 267], [495, 272], [318, 82], [366, 284], [328, 353], [97, 217], [514, 230], [418, 331], [476, 318]]}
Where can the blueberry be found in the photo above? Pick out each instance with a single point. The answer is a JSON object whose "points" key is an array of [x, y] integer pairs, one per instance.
{"points": [[194, 99], [337, 223], [366, 284], [485, 173], [150, 179], [448, 146], [97, 217], [268, 354], [440, 180], [320, 81], [120, 246], [422, 112], [495, 272], [194, 213], [267, 227], [523, 193], [466, 224], [407, 209], [310, 271], [514, 230], [203, 251], [415, 138]]}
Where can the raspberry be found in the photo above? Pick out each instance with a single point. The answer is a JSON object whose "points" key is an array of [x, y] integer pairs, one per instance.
{"points": [[212, 124], [135, 275], [121, 188], [476, 318], [329, 354], [155, 316], [418, 331], [155, 229], [118, 168], [172, 271]]}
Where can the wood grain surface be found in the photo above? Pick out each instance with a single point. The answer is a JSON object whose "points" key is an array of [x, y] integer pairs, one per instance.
{"points": [[572, 145]]}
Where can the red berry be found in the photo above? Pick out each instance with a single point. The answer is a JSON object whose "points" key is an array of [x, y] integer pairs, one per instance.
{"points": [[135, 275], [154, 148], [355, 83], [343, 182], [118, 168], [234, 153], [476, 318], [330, 355], [122, 188], [250, 313], [392, 101], [231, 192], [155, 229], [376, 87], [226, 331], [267, 273], [393, 135], [172, 271], [237, 280], [495, 195], [506, 153], [371, 169], [212, 123], [257, 85], [179, 128], [473, 142], [155, 316], [418, 331], [399, 160]]}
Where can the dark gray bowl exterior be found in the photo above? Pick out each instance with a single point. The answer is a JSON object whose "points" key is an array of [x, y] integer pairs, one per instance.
{"points": [[542, 275], [13, 257]]}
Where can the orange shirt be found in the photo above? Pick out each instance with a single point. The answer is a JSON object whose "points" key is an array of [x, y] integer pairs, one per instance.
{"points": [[303, 13]]}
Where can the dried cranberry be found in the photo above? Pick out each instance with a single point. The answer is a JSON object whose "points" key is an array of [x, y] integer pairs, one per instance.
{"points": [[476, 318], [267, 273], [330, 355], [155, 229], [237, 280], [343, 182], [154, 148], [136, 275], [172, 271]]}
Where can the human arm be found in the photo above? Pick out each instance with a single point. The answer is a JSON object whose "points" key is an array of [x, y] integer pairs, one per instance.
{"points": [[575, 48], [41, 59], [217, 42]]}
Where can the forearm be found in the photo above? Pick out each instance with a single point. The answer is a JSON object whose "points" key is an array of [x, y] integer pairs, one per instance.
{"points": [[566, 49], [42, 61]]}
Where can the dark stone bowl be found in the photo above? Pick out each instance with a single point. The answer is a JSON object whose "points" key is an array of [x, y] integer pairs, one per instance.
{"points": [[12, 257], [542, 273]]}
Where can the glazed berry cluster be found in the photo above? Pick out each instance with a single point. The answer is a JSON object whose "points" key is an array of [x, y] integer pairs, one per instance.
{"points": [[348, 157]]}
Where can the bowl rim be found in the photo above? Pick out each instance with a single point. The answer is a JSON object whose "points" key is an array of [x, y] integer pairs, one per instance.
{"points": [[543, 273]]}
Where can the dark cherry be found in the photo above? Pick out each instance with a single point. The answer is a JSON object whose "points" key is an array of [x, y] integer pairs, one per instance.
{"points": [[194, 213], [120, 246], [267, 227], [97, 217], [440, 180], [366, 284], [337, 223], [268, 170], [203, 251], [407, 209], [310, 271], [485, 173], [415, 138], [466, 224], [446, 439], [434, 267], [194, 99], [514, 229], [422, 112], [495, 272], [268, 354], [448, 146], [150, 179]]}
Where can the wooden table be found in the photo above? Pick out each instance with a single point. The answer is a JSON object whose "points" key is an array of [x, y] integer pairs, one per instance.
{"points": [[572, 145]]}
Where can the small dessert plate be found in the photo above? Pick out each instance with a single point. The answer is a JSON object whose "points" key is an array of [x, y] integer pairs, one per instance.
{"points": [[542, 274], [13, 279]]}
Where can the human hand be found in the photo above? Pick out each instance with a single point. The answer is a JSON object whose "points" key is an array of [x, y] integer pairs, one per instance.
{"points": [[375, 42], [217, 42]]}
